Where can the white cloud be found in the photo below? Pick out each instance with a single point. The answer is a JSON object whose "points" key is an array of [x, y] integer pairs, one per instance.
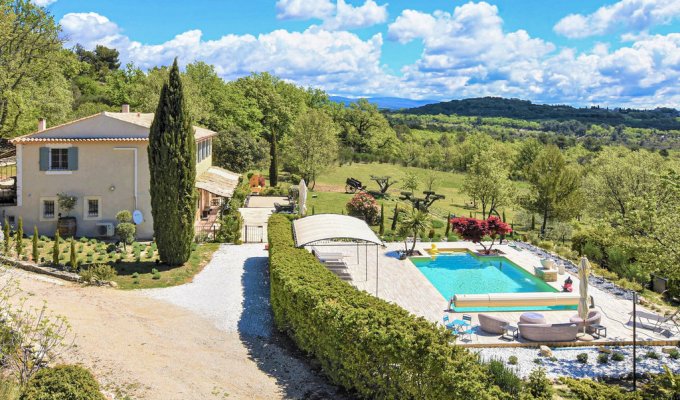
{"points": [[304, 9], [334, 16], [44, 3], [466, 53], [337, 60], [630, 15]]}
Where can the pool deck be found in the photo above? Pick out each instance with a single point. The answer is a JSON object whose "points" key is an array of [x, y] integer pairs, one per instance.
{"points": [[402, 283]]}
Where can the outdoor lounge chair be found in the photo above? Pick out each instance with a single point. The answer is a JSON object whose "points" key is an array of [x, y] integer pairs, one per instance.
{"points": [[327, 256], [594, 318], [548, 332], [491, 324], [669, 322]]}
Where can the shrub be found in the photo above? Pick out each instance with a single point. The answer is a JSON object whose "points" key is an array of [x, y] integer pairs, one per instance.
{"points": [[125, 230], [98, 272], [83, 239], [603, 358], [618, 356], [364, 205], [588, 389], [546, 244], [20, 238], [582, 358], [538, 361], [156, 275], [62, 382], [504, 377], [652, 354], [674, 354], [538, 385], [512, 360], [135, 275], [347, 332], [56, 254], [36, 247]]}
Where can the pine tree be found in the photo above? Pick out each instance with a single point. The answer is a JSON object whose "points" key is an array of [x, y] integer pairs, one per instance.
{"points": [[20, 235], [172, 164], [6, 232], [448, 226], [74, 257], [396, 217], [55, 249], [382, 219], [36, 251]]}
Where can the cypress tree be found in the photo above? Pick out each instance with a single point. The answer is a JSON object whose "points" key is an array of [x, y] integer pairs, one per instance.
{"points": [[396, 217], [382, 219], [36, 251], [503, 215], [172, 165], [20, 236], [448, 226], [6, 232], [274, 161], [55, 249], [74, 258], [533, 222]]}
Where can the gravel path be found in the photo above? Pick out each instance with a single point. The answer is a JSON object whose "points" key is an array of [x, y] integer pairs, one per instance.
{"points": [[232, 291], [565, 363]]}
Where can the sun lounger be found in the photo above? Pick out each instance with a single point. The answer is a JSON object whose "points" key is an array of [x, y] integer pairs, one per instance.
{"points": [[594, 318], [669, 322], [327, 256]]}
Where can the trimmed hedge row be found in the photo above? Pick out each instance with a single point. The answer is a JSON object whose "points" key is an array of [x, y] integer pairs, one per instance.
{"points": [[367, 345]]}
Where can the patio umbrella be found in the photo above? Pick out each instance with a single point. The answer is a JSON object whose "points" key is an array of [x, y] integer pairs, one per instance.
{"points": [[583, 272]]}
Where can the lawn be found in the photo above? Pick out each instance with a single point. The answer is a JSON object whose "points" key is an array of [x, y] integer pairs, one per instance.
{"points": [[136, 264], [329, 196]]}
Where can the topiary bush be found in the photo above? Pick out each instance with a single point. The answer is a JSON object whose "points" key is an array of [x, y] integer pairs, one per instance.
{"points": [[368, 346], [582, 358], [63, 382]]}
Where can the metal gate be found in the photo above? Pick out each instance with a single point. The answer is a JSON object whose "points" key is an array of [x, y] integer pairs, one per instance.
{"points": [[253, 234]]}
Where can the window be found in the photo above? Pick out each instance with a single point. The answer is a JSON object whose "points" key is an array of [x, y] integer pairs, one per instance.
{"points": [[59, 159], [48, 208], [92, 207]]}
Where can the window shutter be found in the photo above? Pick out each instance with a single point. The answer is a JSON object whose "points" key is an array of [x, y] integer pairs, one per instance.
{"points": [[73, 158], [44, 158]]}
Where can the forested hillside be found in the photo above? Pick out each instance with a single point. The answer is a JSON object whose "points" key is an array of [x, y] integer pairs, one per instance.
{"points": [[660, 118]]}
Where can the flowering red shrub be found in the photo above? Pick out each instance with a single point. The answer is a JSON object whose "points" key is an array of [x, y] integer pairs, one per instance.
{"points": [[364, 205], [475, 230]]}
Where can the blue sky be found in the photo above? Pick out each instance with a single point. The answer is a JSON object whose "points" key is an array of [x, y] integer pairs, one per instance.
{"points": [[614, 53]]}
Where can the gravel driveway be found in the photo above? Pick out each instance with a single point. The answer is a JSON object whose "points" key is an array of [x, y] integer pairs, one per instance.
{"points": [[232, 291]]}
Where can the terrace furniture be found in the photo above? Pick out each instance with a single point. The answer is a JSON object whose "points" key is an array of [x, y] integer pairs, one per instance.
{"points": [[532, 318], [465, 329], [657, 321], [565, 332], [490, 324], [594, 318], [599, 330], [327, 256], [448, 324], [511, 332]]}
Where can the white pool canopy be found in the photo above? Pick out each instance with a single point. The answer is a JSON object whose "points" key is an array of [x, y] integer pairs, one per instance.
{"points": [[329, 227]]}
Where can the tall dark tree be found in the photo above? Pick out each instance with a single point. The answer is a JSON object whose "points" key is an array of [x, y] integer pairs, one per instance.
{"points": [[172, 163]]}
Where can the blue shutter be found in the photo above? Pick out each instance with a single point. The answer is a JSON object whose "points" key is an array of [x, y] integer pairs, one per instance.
{"points": [[72, 158], [44, 158]]}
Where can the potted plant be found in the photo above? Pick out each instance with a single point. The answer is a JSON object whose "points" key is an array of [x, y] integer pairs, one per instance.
{"points": [[66, 225]]}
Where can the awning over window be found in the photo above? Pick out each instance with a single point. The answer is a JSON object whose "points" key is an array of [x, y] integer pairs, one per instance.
{"points": [[322, 227], [218, 181]]}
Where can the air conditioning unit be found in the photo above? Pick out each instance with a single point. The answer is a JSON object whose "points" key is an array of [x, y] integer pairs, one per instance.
{"points": [[105, 229]]}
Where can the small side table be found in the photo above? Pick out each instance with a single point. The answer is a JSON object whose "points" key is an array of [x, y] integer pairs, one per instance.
{"points": [[599, 330], [511, 332]]}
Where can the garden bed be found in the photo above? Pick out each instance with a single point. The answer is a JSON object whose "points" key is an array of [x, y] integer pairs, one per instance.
{"points": [[137, 265]]}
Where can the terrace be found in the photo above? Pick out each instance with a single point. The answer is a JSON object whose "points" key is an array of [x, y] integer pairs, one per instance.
{"points": [[401, 282]]}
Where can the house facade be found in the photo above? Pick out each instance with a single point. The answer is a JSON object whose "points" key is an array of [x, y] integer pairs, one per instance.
{"points": [[102, 161]]}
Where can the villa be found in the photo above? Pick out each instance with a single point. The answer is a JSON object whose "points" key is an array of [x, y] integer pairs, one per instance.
{"points": [[102, 161]]}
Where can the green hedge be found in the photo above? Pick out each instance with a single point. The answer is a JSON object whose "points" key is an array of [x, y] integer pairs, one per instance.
{"points": [[369, 346]]}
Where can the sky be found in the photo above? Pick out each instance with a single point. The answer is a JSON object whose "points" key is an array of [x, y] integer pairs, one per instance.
{"points": [[588, 52]]}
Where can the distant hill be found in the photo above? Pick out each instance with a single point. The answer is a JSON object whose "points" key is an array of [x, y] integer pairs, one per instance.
{"points": [[386, 103], [659, 118]]}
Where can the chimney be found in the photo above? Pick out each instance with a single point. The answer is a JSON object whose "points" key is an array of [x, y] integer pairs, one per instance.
{"points": [[42, 124], [126, 108]]}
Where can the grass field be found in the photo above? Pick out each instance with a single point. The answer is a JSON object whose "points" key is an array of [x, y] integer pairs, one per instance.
{"points": [[329, 196]]}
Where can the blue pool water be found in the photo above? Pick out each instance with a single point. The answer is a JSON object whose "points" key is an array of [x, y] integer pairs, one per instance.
{"points": [[466, 273]]}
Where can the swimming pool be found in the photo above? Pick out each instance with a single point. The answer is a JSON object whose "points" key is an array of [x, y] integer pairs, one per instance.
{"points": [[466, 273]]}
